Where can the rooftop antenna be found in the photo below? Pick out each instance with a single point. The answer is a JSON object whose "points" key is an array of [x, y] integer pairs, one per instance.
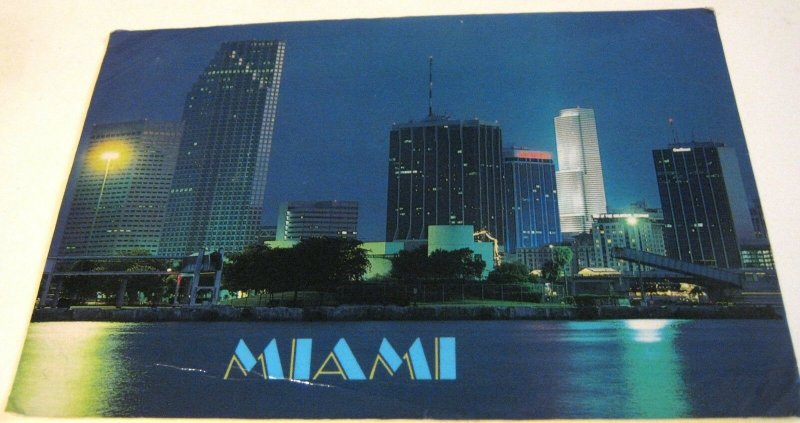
{"points": [[672, 129], [430, 86]]}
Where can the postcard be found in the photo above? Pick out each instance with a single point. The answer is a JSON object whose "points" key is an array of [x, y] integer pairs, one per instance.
{"points": [[520, 216]]}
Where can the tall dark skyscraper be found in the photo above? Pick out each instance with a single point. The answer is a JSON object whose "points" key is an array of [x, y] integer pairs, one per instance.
{"points": [[217, 193], [444, 172], [706, 214], [123, 184], [531, 199]]}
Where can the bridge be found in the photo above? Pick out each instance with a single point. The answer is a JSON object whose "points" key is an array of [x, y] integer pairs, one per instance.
{"points": [[187, 267], [708, 276]]}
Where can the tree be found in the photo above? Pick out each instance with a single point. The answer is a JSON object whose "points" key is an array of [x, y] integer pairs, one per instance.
{"points": [[561, 257], [550, 271], [510, 272], [555, 268], [471, 265], [409, 266], [260, 268], [81, 288], [416, 265], [246, 270], [320, 264], [323, 264], [444, 265], [150, 286]]}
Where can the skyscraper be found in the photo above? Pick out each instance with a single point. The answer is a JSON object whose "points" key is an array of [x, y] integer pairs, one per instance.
{"points": [[531, 199], [757, 215], [298, 220], [706, 214], [217, 194], [121, 190], [444, 172], [581, 192]]}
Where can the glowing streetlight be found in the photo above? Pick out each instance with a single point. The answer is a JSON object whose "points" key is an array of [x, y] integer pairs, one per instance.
{"points": [[109, 155]]}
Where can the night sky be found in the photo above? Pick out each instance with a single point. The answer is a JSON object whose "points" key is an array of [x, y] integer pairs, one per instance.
{"points": [[346, 82]]}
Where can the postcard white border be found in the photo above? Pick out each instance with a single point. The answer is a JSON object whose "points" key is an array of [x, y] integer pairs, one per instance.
{"points": [[50, 54]]}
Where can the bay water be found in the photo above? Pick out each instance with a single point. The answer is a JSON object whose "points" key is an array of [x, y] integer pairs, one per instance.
{"points": [[504, 370]]}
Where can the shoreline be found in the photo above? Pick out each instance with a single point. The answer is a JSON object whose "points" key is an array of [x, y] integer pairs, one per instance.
{"points": [[399, 313]]}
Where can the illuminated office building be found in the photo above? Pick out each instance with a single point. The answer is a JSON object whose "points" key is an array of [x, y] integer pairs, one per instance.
{"points": [[123, 183], [531, 199], [581, 192], [217, 195], [636, 231]]}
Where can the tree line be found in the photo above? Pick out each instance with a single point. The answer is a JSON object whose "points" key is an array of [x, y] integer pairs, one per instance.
{"points": [[413, 266], [314, 264]]}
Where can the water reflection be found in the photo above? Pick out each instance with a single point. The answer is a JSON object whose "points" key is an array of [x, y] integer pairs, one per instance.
{"points": [[647, 330], [653, 370], [513, 370], [68, 369], [594, 386], [624, 369]]}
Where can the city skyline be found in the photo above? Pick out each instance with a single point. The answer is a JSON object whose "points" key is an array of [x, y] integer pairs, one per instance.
{"points": [[335, 107]]}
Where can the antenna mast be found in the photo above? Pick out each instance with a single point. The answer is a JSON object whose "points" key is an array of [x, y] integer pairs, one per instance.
{"points": [[672, 129], [430, 86]]}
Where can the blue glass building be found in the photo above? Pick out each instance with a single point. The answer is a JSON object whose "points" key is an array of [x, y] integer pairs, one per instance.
{"points": [[531, 199]]}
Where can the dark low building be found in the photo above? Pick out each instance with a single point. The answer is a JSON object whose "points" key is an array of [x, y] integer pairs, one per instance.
{"points": [[298, 220]]}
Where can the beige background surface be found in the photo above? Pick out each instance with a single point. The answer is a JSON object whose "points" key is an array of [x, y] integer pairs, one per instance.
{"points": [[50, 54]]}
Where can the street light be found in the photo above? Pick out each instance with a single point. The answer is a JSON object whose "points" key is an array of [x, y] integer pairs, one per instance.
{"points": [[108, 156], [633, 221], [552, 261]]}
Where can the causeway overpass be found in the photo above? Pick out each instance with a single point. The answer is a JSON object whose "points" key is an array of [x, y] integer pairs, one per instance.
{"points": [[710, 277]]}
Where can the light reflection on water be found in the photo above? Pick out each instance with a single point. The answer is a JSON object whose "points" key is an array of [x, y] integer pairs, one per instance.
{"points": [[654, 371], [507, 370], [69, 369], [624, 368], [648, 330]]}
